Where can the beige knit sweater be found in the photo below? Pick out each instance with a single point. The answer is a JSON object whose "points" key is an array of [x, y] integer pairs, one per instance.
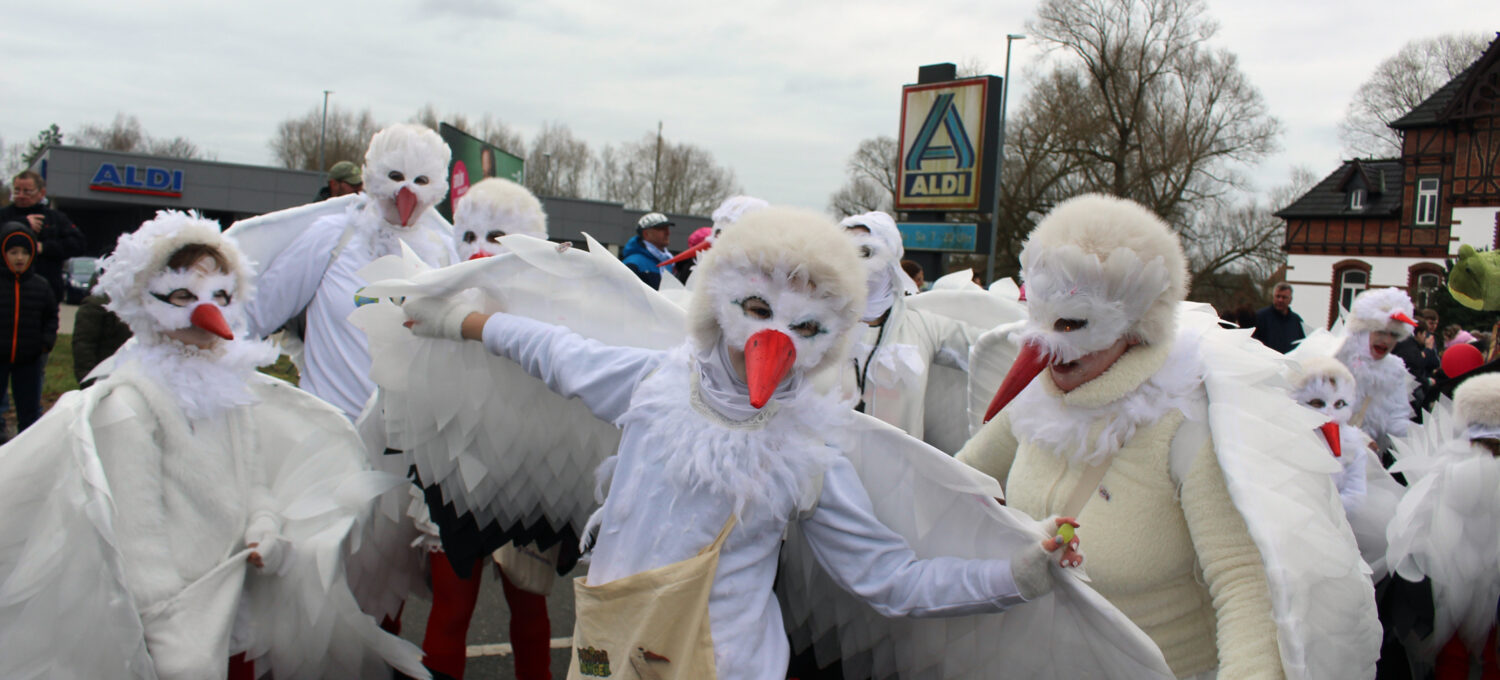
{"points": [[1172, 554]]}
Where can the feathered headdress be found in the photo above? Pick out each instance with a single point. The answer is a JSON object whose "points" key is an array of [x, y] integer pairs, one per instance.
{"points": [[1382, 309]]}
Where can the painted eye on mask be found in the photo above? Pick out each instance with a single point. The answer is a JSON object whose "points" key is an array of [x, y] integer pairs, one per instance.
{"points": [[421, 180], [396, 176], [1069, 325], [470, 237], [494, 236], [756, 308], [1318, 403], [808, 329], [1340, 403], [181, 297], [866, 252]]}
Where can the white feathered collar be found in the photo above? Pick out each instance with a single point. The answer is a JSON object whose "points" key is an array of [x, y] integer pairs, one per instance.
{"points": [[380, 238], [1142, 386], [760, 469], [204, 383]]}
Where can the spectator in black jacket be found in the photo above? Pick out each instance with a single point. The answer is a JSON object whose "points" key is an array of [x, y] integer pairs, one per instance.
{"points": [[97, 334], [28, 323], [56, 237], [1277, 326]]}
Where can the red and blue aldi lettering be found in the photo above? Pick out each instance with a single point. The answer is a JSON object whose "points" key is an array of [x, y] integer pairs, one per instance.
{"points": [[135, 179]]}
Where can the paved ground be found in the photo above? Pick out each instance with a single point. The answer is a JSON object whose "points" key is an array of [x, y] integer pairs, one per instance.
{"points": [[489, 649]]}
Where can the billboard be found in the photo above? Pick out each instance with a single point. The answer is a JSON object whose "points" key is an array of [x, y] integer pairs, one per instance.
{"points": [[948, 145], [475, 159]]}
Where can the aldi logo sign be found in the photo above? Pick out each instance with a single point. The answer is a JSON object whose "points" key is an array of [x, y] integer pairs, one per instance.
{"points": [[945, 145], [135, 179]]}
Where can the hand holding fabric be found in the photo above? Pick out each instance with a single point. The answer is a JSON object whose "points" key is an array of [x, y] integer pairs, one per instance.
{"points": [[269, 549], [434, 317]]}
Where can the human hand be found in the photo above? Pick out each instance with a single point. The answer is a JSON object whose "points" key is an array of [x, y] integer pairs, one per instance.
{"points": [[268, 550], [1061, 536], [37, 221], [435, 317]]}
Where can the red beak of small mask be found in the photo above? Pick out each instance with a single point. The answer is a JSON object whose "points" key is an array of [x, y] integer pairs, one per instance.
{"points": [[1330, 432], [1028, 364], [406, 204], [1403, 318], [692, 251], [208, 317], [769, 354]]}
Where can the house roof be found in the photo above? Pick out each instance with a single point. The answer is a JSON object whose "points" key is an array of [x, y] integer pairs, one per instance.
{"points": [[1330, 197], [1438, 107]]}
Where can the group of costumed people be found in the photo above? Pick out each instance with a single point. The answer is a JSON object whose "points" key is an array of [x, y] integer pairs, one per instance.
{"points": [[790, 464]]}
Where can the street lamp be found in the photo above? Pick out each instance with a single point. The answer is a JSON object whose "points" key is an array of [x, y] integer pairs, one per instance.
{"points": [[989, 274], [323, 130]]}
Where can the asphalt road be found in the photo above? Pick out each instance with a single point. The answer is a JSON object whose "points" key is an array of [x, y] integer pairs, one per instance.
{"points": [[488, 659]]}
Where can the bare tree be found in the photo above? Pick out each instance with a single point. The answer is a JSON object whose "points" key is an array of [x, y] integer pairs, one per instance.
{"points": [[125, 133], [871, 179], [1245, 236], [559, 163], [487, 127], [348, 135], [1399, 84], [685, 180]]}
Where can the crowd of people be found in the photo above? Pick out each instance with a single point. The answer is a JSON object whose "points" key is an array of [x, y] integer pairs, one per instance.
{"points": [[773, 465]]}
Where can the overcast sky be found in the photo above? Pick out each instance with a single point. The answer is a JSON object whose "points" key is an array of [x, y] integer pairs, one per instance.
{"points": [[782, 92]]}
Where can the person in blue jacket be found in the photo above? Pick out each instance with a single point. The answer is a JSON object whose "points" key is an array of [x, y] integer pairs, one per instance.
{"points": [[645, 251]]}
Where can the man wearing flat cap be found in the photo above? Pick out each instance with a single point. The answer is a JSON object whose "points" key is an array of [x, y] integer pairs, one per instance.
{"points": [[343, 178], [645, 251]]}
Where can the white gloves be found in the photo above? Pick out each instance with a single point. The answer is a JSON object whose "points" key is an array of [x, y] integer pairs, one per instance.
{"points": [[435, 317], [264, 539], [1029, 568]]}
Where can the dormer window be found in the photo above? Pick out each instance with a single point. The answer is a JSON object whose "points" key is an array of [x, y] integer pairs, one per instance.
{"points": [[1357, 199]]}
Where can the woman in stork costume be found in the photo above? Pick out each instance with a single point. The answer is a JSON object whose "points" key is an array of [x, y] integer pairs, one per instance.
{"points": [[1204, 495], [723, 450], [1444, 535], [186, 508], [1368, 493]]}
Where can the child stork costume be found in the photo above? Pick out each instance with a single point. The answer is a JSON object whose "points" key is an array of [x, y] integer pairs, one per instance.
{"points": [[131, 509], [712, 468], [1205, 497], [492, 208], [311, 256], [1445, 532], [1368, 493]]}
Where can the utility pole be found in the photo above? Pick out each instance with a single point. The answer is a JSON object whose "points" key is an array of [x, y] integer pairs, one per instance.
{"points": [[323, 131], [989, 264], [656, 173]]}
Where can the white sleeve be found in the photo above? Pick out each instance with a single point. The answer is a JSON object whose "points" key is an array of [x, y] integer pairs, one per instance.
{"points": [[288, 283], [870, 560], [952, 340], [602, 376], [1351, 480]]}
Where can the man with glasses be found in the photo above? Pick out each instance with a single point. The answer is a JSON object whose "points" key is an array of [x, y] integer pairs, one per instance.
{"points": [[56, 237]]}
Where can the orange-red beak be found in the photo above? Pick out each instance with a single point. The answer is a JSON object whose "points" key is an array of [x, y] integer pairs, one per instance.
{"points": [[692, 251], [208, 317], [769, 354], [1403, 318], [1330, 431], [1028, 363], [479, 255], [406, 204]]}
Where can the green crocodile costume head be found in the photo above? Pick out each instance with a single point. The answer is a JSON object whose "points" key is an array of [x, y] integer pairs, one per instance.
{"points": [[1475, 279]]}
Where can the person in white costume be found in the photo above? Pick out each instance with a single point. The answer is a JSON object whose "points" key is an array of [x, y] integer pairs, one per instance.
{"points": [[724, 436], [186, 508], [1443, 537], [1368, 493], [1120, 430], [897, 345], [1378, 320], [499, 207], [405, 174]]}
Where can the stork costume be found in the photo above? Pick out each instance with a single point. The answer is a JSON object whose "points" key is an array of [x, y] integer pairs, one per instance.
{"points": [[491, 209], [712, 467], [1445, 532], [185, 507], [1181, 520], [1382, 403], [898, 345], [1367, 492], [405, 174]]}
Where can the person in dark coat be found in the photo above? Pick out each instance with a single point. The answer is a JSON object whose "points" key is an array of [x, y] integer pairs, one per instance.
{"points": [[648, 248], [28, 323], [56, 237], [97, 333], [1277, 326]]}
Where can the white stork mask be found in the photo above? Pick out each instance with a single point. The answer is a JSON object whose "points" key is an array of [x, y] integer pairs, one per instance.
{"points": [[1326, 386], [786, 289], [493, 208], [406, 172], [725, 216]]}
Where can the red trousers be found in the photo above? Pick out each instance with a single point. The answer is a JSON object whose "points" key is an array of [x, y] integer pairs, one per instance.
{"points": [[1452, 661], [453, 601]]}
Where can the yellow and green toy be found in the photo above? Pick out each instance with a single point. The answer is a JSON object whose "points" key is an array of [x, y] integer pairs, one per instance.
{"points": [[1475, 279]]}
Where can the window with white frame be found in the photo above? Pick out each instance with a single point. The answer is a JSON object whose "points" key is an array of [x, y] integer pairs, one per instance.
{"points": [[1351, 282], [1428, 285], [1357, 199], [1427, 201]]}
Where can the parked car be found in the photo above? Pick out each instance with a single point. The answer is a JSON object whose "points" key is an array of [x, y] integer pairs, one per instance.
{"points": [[78, 276]]}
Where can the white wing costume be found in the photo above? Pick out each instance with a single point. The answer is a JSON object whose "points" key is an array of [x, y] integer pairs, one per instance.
{"points": [[1445, 527], [132, 507], [528, 450]]}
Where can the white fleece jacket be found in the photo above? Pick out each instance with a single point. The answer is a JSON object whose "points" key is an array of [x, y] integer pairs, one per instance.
{"points": [[894, 361]]}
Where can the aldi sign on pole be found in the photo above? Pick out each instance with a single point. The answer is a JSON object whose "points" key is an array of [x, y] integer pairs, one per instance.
{"points": [[949, 132]]}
